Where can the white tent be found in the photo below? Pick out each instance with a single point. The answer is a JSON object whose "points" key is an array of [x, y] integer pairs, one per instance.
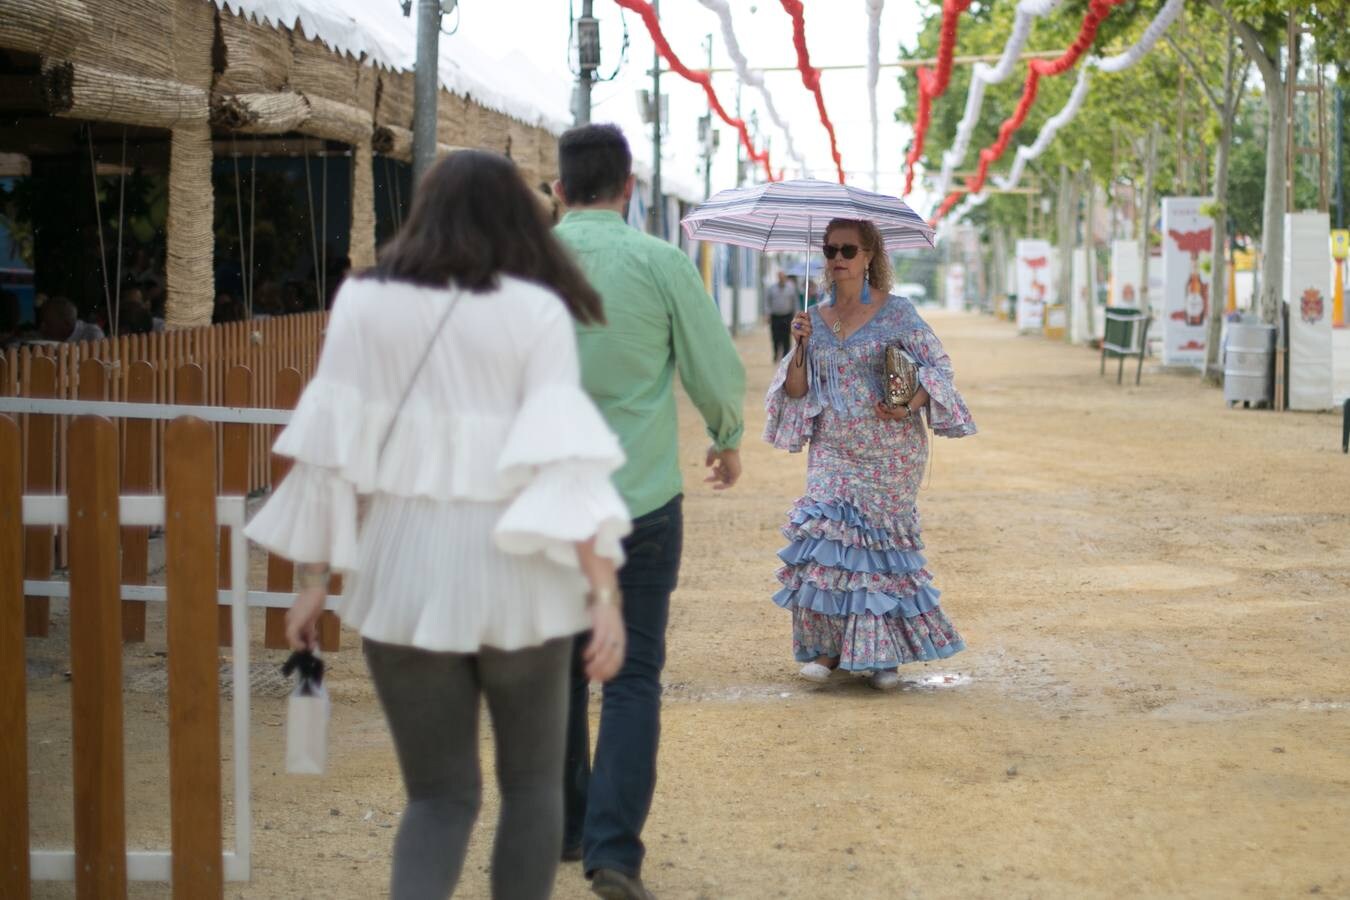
{"points": [[378, 31]]}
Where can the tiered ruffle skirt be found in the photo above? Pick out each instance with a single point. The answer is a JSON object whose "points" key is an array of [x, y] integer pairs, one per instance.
{"points": [[858, 589]]}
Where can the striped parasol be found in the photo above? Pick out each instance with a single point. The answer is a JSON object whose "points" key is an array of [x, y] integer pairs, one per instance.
{"points": [[792, 215]]}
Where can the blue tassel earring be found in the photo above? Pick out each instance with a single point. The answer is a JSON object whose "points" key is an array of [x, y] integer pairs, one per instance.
{"points": [[866, 292], [834, 292]]}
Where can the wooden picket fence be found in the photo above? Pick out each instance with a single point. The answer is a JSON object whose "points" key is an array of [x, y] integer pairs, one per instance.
{"points": [[254, 364], [145, 368], [196, 863]]}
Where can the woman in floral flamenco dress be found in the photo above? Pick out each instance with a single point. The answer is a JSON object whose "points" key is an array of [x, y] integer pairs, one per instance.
{"points": [[854, 576]]}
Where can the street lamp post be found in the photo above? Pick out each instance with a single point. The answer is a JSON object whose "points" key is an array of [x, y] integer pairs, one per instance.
{"points": [[426, 86], [588, 60]]}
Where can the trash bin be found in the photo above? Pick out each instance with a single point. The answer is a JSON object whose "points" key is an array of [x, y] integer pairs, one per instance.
{"points": [[1247, 357]]}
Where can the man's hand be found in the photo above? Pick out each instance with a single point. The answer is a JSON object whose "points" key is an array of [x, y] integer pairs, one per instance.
{"points": [[725, 466]]}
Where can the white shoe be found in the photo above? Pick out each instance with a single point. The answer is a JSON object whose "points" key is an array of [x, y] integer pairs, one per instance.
{"points": [[814, 671], [885, 681]]}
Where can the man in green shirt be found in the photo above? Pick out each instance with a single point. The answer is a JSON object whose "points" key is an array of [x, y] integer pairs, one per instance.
{"points": [[658, 319]]}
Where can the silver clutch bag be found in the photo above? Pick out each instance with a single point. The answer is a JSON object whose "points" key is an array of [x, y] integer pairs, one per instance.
{"points": [[902, 377]]}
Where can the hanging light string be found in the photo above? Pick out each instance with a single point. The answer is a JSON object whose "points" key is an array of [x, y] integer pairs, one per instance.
{"points": [[1118, 63], [811, 77], [1098, 10], [750, 77], [982, 76], [933, 84], [703, 79]]}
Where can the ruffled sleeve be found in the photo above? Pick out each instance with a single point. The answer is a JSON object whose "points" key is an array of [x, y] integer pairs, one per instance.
{"points": [[788, 420], [310, 518], [311, 515], [947, 412], [559, 456]]}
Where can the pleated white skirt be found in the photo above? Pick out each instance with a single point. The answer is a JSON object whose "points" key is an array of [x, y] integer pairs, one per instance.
{"points": [[430, 575]]}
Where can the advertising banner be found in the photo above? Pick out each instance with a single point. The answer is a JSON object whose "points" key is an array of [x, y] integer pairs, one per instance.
{"points": [[1187, 301], [1307, 289], [956, 287], [1125, 271], [1083, 311], [1034, 286]]}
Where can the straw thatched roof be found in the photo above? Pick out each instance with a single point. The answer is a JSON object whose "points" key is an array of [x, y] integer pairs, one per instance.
{"points": [[338, 70]]}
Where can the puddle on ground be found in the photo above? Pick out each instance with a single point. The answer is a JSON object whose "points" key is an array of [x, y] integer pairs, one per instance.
{"points": [[936, 680]]}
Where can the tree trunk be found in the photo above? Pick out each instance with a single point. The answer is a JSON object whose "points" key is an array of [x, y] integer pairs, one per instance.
{"points": [[1065, 229], [1145, 222], [1089, 243], [1272, 237], [1218, 284]]}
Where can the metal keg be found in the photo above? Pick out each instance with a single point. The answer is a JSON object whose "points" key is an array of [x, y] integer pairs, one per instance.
{"points": [[1247, 355]]}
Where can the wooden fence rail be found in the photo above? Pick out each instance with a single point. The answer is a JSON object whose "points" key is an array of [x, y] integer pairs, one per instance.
{"points": [[266, 347], [197, 863], [256, 364]]}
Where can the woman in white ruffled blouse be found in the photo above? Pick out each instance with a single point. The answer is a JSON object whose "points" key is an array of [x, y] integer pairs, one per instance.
{"points": [[448, 398]]}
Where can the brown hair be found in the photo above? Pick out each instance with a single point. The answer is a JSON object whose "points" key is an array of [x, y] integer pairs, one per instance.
{"points": [[473, 218], [879, 274]]}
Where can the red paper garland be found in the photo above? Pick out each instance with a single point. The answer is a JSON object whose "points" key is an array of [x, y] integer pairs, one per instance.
{"points": [[811, 76], [703, 79], [933, 84], [1097, 11]]}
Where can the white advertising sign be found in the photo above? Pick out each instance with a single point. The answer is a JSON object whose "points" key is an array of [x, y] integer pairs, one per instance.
{"points": [[1125, 274], [1307, 288], [1187, 299], [1034, 285], [956, 287], [1082, 303]]}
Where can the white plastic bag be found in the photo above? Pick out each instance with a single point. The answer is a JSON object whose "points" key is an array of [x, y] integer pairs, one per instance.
{"points": [[307, 717]]}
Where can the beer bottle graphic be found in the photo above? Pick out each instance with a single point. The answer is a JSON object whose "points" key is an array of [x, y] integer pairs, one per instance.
{"points": [[1195, 302]]}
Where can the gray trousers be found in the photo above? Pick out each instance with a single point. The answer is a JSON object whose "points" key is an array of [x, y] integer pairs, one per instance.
{"points": [[431, 703]]}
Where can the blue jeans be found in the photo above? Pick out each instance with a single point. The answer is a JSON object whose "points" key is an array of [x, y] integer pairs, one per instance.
{"points": [[605, 804]]}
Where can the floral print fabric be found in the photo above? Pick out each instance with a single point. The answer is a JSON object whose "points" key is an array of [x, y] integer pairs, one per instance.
{"points": [[854, 575]]}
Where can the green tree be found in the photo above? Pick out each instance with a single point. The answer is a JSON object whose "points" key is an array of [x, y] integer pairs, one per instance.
{"points": [[1261, 25]]}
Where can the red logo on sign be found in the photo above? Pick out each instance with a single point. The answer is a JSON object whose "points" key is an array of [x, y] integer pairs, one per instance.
{"points": [[1312, 306]]}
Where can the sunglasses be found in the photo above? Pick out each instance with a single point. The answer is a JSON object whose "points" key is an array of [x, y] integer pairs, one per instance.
{"points": [[847, 250]]}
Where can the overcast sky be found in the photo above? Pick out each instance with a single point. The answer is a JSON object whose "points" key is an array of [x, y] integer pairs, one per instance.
{"points": [[836, 32]]}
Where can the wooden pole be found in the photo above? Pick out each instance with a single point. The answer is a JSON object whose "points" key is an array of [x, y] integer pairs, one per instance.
{"points": [[96, 662], [41, 479], [137, 478], [194, 679], [13, 677], [280, 571], [233, 474]]}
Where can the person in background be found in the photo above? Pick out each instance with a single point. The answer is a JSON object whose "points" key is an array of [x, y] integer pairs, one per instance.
{"points": [[551, 206], [227, 309], [783, 302], [659, 320], [58, 321], [132, 313], [448, 394]]}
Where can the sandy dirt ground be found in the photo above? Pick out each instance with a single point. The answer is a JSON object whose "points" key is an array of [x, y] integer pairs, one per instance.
{"points": [[1155, 702]]}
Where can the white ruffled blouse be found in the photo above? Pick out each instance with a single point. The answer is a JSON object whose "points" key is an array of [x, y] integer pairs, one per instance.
{"points": [[497, 464]]}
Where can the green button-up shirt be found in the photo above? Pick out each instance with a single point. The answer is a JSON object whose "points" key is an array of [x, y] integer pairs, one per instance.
{"points": [[658, 318]]}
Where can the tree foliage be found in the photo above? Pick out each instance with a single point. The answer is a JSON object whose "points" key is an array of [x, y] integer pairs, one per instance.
{"points": [[1107, 134]]}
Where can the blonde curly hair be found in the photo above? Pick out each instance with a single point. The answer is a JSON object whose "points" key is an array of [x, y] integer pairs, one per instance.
{"points": [[879, 274]]}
